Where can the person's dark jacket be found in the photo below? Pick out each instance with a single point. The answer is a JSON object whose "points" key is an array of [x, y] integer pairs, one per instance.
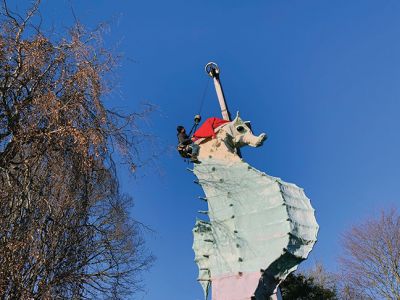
{"points": [[184, 139]]}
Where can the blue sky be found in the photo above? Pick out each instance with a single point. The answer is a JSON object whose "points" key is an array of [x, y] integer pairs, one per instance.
{"points": [[320, 77]]}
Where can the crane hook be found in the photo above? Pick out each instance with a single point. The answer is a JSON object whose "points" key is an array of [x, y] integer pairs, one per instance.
{"points": [[212, 69]]}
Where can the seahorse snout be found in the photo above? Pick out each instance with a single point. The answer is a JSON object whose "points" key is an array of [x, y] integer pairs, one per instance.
{"points": [[261, 138], [252, 140]]}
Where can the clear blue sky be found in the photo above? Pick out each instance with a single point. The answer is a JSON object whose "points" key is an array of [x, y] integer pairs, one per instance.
{"points": [[320, 77]]}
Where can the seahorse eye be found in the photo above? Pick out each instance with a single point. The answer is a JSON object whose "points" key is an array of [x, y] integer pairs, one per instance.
{"points": [[240, 128]]}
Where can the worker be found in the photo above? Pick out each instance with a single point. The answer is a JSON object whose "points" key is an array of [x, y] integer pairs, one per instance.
{"points": [[186, 146]]}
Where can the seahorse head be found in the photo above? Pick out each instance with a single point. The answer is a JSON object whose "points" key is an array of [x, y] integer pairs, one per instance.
{"points": [[242, 134]]}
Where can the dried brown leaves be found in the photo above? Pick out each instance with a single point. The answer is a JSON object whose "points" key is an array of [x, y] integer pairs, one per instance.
{"points": [[64, 228]]}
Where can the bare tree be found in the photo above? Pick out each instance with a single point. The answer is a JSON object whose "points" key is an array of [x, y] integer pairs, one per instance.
{"points": [[371, 260], [64, 228], [321, 276]]}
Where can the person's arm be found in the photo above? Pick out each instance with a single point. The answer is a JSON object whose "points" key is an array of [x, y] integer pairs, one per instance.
{"points": [[186, 142], [184, 139]]}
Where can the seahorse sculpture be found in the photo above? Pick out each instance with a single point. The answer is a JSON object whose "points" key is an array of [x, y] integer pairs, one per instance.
{"points": [[260, 227]]}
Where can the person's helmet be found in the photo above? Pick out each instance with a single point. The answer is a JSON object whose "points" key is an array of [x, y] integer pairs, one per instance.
{"points": [[179, 128]]}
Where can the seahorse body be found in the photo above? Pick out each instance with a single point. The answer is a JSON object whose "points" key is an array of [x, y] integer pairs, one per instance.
{"points": [[259, 229]]}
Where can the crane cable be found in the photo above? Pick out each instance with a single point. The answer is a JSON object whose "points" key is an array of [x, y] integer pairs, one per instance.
{"points": [[197, 118], [203, 97]]}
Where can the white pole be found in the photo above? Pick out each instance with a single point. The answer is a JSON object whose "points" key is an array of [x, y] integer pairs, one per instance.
{"points": [[213, 71]]}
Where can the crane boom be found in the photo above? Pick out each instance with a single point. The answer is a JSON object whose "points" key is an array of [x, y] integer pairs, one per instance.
{"points": [[212, 70]]}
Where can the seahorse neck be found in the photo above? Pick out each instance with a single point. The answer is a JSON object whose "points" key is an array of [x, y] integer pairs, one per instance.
{"points": [[217, 149]]}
